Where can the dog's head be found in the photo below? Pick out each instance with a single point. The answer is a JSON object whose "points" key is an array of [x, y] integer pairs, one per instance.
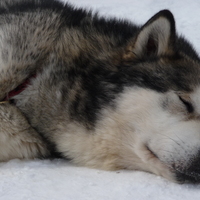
{"points": [[153, 123], [163, 104]]}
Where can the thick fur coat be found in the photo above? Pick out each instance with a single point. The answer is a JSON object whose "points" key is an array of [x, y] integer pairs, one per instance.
{"points": [[103, 93]]}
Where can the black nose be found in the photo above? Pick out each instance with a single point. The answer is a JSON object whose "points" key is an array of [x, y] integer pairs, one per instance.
{"points": [[190, 173]]}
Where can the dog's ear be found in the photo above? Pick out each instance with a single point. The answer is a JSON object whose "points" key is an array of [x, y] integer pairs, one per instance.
{"points": [[155, 38]]}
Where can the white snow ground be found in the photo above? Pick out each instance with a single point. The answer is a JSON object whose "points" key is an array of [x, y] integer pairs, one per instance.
{"points": [[59, 180]]}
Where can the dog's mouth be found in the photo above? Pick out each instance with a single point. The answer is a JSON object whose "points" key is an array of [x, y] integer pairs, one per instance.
{"points": [[189, 175], [20, 88]]}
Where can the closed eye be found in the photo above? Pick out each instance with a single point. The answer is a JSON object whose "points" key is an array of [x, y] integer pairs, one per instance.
{"points": [[187, 104]]}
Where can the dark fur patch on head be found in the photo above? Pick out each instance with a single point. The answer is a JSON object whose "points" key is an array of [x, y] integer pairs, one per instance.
{"points": [[184, 46]]}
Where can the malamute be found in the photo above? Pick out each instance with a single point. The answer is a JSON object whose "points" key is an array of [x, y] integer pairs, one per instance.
{"points": [[101, 92]]}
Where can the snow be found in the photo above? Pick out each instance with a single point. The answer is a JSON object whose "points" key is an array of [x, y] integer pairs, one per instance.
{"points": [[60, 180]]}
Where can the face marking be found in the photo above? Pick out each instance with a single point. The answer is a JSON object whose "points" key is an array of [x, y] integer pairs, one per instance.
{"points": [[162, 139]]}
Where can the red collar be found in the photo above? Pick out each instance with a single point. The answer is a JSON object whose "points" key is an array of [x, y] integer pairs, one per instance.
{"points": [[18, 89]]}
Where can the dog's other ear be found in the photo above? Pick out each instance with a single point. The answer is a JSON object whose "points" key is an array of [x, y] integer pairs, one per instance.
{"points": [[155, 38]]}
